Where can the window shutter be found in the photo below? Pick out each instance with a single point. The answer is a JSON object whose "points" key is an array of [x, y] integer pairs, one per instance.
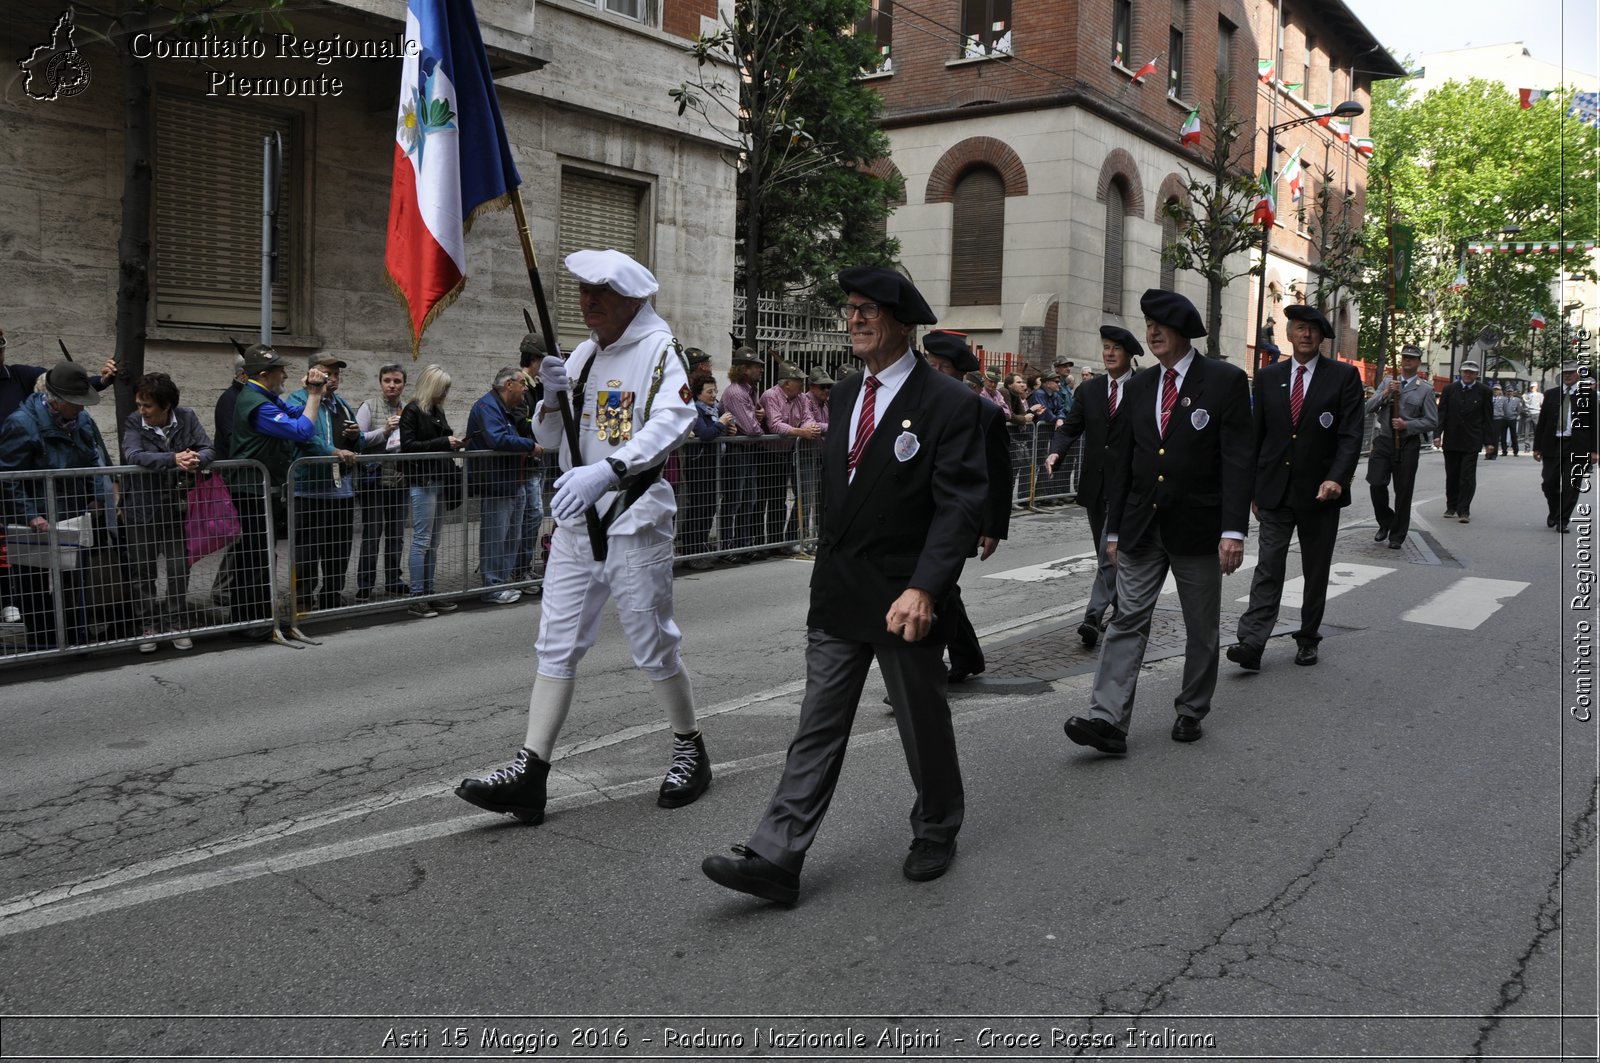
{"points": [[208, 214], [596, 212], [1111, 298], [977, 239]]}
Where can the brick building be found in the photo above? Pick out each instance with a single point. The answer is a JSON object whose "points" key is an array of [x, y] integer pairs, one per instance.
{"points": [[604, 156], [1035, 164], [1322, 56]]}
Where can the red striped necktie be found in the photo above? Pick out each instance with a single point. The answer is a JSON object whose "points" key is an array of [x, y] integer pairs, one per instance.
{"points": [[1297, 395], [864, 427], [1113, 398], [1169, 397]]}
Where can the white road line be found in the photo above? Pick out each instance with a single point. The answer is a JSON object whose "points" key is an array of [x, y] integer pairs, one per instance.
{"points": [[1342, 577], [1171, 584], [562, 788], [1077, 564], [1466, 603]]}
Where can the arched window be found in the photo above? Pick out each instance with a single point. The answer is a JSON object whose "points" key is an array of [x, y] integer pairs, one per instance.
{"points": [[1116, 211], [1169, 236], [977, 238]]}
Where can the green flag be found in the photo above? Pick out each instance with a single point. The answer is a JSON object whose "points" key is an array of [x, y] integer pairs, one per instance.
{"points": [[1404, 240]]}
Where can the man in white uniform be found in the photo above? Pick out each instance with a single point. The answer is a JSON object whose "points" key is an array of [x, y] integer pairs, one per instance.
{"points": [[631, 396]]}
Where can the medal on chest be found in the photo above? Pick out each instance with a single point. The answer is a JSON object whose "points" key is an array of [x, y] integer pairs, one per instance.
{"points": [[614, 415]]}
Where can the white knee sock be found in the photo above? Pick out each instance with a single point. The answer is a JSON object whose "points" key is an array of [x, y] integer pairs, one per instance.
{"points": [[547, 711], [676, 695]]}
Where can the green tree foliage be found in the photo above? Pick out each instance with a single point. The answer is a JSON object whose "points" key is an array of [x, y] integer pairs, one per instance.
{"points": [[1463, 163], [806, 129], [1214, 217]]}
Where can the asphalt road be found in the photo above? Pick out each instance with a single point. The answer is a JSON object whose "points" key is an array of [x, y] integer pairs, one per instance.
{"points": [[1389, 855]]}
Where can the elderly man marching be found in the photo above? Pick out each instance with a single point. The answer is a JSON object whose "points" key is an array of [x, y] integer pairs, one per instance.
{"points": [[630, 394]]}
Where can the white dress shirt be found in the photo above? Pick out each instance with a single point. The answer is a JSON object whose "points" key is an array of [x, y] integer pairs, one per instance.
{"points": [[889, 384]]}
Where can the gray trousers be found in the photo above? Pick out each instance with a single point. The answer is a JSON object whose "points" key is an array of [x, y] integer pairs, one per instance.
{"points": [[1318, 527], [1140, 574], [1103, 595], [836, 671]]}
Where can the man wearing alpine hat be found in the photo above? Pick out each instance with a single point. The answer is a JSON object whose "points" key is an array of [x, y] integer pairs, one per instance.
{"points": [[1098, 403], [903, 480], [630, 396], [1178, 482]]}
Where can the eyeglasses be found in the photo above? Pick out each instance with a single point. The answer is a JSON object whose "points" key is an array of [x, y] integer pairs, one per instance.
{"points": [[868, 311]]}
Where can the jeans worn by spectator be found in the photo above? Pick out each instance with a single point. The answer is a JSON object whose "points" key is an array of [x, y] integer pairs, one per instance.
{"points": [[739, 471], [427, 514], [500, 528], [324, 532], [529, 543], [383, 520], [699, 462]]}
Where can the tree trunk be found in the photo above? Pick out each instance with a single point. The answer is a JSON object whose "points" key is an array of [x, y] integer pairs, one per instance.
{"points": [[1214, 318], [752, 266], [133, 245]]}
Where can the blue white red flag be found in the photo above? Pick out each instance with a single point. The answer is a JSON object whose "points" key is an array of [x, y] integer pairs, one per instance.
{"points": [[451, 158]]}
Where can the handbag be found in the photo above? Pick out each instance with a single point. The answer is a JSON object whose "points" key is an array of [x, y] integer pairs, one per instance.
{"points": [[211, 522]]}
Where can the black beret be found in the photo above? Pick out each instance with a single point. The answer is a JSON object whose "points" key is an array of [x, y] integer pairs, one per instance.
{"points": [[1172, 310], [1122, 338], [952, 345], [1302, 312], [888, 288]]}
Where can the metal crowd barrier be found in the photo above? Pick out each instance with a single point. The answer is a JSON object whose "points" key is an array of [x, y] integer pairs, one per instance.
{"points": [[119, 564]]}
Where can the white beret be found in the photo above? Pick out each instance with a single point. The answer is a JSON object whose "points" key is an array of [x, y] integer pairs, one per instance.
{"points": [[612, 267]]}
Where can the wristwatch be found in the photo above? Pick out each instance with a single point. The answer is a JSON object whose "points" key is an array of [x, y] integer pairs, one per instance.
{"points": [[619, 469]]}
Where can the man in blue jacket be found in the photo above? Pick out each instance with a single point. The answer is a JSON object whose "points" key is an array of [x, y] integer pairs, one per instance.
{"points": [[51, 432], [498, 422]]}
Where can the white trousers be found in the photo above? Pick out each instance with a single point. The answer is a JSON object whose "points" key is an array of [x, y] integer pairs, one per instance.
{"points": [[637, 572]]}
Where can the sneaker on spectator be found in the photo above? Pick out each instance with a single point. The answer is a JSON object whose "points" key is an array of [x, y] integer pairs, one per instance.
{"points": [[149, 645], [445, 606], [10, 615], [422, 609], [183, 644]]}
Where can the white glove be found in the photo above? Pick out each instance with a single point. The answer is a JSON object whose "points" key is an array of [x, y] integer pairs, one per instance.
{"points": [[553, 375], [578, 489]]}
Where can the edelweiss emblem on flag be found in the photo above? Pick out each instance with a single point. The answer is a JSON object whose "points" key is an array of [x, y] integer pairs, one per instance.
{"points": [[423, 114]]}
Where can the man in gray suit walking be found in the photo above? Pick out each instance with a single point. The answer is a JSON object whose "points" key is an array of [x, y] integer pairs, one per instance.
{"points": [[1410, 410]]}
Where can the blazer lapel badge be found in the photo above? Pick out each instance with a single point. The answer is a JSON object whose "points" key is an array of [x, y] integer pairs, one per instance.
{"points": [[906, 446], [1199, 419], [1326, 420]]}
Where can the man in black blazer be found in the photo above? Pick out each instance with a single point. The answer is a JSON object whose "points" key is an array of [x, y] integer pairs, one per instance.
{"points": [[1466, 418], [1308, 424], [1098, 401], [1178, 482], [904, 484], [949, 354], [1564, 443]]}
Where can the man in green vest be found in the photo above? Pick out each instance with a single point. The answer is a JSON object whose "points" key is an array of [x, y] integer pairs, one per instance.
{"points": [[265, 430]]}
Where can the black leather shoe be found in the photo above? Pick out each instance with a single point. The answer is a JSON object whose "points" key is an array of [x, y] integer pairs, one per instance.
{"points": [[1450, 512], [690, 774], [1087, 731], [961, 675], [754, 874], [1382, 533], [927, 860], [1395, 544], [1186, 729], [1089, 632], [1306, 654], [1245, 657], [1549, 522], [1465, 518], [517, 790]]}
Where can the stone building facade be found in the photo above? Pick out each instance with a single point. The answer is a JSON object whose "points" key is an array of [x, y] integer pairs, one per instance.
{"points": [[603, 155]]}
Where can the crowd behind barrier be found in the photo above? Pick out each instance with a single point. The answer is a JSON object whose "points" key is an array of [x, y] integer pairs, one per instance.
{"points": [[140, 559]]}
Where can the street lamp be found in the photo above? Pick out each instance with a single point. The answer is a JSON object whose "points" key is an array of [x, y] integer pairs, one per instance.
{"points": [[1459, 332], [1347, 109]]}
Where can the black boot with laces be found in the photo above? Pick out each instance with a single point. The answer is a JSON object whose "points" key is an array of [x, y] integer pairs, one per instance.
{"points": [[690, 773], [518, 790]]}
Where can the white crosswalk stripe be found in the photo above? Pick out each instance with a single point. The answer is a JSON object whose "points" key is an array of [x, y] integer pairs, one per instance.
{"points": [[1342, 577], [1466, 603]]}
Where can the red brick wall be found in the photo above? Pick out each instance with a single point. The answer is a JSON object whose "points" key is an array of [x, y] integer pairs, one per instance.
{"points": [[681, 18]]}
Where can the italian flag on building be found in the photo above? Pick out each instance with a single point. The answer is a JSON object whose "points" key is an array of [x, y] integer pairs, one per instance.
{"points": [[1266, 203], [1537, 320], [1291, 173], [1189, 132], [1265, 69], [1364, 147]]}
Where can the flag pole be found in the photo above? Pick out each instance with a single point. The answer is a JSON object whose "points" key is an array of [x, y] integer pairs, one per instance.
{"points": [[1388, 310], [597, 534]]}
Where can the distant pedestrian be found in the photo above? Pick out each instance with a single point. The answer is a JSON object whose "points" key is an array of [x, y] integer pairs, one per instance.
{"points": [[499, 481], [1564, 443], [1466, 422], [1405, 409]]}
